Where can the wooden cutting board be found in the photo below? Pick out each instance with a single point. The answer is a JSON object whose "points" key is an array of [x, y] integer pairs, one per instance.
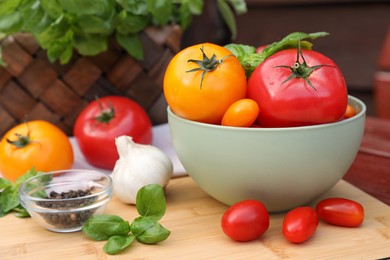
{"points": [[194, 220]]}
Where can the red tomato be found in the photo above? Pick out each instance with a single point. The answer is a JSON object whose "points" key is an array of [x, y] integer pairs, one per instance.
{"points": [[245, 221], [102, 121], [300, 224], [321, 97], [341, 212]]}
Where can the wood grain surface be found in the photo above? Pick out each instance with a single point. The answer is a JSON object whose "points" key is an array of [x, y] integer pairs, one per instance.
{"points": [[194, 220]]}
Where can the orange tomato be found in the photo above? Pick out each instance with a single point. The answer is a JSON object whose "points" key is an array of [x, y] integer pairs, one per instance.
{"points": [[349, 112], [204, 95], [242, 113], [36, 143]]}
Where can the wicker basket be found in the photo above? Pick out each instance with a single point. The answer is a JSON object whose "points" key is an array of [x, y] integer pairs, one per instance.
{"points": [[33, 88]]}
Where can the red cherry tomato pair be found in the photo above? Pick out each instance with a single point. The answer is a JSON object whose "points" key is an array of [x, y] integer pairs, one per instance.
{"points": [[301, 223], [249, 219]]}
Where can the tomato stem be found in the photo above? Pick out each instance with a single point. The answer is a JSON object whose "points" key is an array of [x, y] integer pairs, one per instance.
{"points": [[22, 140], [106, 114], [302, 70], [207, 64]]}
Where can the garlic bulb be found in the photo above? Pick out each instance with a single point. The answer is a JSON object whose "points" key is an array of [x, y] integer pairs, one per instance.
{"points": [[137, 166]]}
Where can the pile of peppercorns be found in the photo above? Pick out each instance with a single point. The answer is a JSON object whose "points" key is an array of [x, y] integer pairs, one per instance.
{"points": [[70, 201]]}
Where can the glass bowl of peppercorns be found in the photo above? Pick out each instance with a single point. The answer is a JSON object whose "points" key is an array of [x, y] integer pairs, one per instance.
{"points": [[62, 201]]}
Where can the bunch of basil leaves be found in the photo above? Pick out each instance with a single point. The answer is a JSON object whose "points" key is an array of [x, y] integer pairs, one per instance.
{"points": [[60, 26], [119, 233], [9, 195]]}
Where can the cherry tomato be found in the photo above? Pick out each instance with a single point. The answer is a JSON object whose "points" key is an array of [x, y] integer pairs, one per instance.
{"points": [[242, 113], [245, 221], [103, 120], [300, 224], [341, 212], [298, 90], [350, 112], [38, 144], [204, 94]]}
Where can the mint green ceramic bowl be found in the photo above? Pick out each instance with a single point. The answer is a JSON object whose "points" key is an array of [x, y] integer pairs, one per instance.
{"points": [[282, 167]]}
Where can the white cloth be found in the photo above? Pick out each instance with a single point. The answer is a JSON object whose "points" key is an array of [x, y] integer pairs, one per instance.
{"points": [[161, 139]]}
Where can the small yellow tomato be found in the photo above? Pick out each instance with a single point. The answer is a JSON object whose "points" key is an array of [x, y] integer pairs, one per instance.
{"points": [[349, 112], [38, 144], [241, 113]]}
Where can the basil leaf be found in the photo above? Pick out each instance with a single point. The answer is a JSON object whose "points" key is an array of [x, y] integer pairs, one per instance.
{"points": [[102, 227], [93, 24], [35, 19], [84, 6], [129, 23], [241, 51], [31, 173], [59, 48], [52, 8], [4, 183], [90, 44], [137, 7], [292, 41], [132, 44], [2, 63], [9, 6], [11, 22], [21, 212], [185, 16], [249, 59], [9, 199], [140, 224], [150, 201], [239, 6], [115, 244], [228, 16], [161, 11], [154, 234], [194, 6]]}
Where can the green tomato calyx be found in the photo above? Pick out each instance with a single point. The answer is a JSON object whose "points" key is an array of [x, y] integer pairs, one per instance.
{"points": [[21, 141], [106, 115], [300, 69], [207, 64]]}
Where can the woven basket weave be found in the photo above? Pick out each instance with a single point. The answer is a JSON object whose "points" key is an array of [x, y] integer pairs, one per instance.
{"points": [[33, 88]]}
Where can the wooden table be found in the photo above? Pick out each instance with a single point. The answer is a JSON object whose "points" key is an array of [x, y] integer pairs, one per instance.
{"points": [[194, 220], [371, 169]]}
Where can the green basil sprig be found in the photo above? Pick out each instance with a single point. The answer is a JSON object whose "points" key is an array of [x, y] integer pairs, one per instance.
{"points": [[9, 195], [250, 59], [87, 25], [119, 233]]}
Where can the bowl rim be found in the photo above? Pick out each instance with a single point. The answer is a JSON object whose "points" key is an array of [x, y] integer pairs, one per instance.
{"points": [[352, 99], [106, 191]]}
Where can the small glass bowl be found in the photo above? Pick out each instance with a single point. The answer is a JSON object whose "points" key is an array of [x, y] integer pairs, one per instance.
{"points": [[62, 201]]}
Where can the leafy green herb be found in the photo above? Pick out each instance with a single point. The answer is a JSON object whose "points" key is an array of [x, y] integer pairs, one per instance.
{"points": [[117, 243], [9, 195], [150, 204], [250, 59], [63, 25]]}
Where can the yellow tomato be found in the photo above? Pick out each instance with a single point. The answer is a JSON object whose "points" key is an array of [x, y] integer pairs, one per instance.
{"points": [[202, 81], [242, 113], [36, 143]]}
